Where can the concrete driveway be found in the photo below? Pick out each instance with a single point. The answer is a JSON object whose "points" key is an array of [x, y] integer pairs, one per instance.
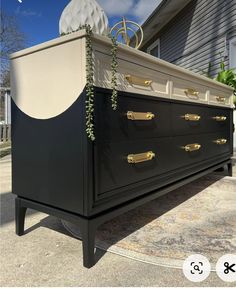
{"points": [[48, 256]]}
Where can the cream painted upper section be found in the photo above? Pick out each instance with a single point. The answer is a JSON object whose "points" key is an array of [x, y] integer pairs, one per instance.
{"points": [[47, 82], [48, 78]]}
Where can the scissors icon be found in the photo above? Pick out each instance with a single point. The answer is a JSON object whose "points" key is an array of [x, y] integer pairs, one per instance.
{"points": [[228, 267]]}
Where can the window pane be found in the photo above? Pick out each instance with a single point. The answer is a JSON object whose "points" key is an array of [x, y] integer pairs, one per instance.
{"points": [[155, 51]]}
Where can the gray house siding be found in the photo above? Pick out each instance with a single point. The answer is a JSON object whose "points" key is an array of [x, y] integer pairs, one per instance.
{"points": [[199, 34]]}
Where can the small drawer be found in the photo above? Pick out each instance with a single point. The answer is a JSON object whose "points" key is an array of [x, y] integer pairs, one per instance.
{"points": [[188, 150], [135, 118], [218, 97], [218, 143], [189, 119], [219, 119], [121, 164], [131, 77], [187, 90]]}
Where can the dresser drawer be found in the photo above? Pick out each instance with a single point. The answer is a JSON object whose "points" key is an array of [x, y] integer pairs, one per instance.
{"points": [[219, 119], [193, 149], [114, 170], [135, 118], [121, 164], [194, 119], [189, 118], [218, 97], [131, 77], [218, 143], [188, 90]]}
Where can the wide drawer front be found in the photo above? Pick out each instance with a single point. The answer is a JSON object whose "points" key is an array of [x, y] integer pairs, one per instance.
{"points": [[131, 77], [137, 76], [140, 118], [120, 164], [135, 118], [193, 119]]}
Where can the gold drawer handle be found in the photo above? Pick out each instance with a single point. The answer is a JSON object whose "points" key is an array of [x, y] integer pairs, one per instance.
{"points": [[138, 158], [140, 116], [192, 147], [220, 98], [192, 117], [138, 81], [220, 141], [220, 118], [191, 92]]}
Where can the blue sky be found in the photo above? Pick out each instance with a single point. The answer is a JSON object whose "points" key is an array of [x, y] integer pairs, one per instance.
{"points": [[39, 19]]}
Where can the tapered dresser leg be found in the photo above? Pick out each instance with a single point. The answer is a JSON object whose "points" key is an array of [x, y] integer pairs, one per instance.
{"points": [[88, 231], [230, 169], [19, 217]]}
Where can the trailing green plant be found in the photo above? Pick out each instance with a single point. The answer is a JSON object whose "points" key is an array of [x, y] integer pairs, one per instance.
{"points": [[114, 66], [89, 103], [89, 78], [89, 85]]}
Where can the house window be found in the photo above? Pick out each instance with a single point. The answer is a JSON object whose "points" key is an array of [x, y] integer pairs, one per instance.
{"points": [[154, 49], [232, 53]]}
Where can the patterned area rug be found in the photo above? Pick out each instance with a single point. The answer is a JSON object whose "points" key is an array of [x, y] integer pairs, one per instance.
{"points": [[197, 218]]}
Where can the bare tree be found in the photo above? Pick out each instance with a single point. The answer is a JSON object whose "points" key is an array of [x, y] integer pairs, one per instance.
{"points": [[12, 39]]}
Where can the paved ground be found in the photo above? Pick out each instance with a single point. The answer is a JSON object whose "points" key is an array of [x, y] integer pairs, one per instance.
{"points": [[48, 256]]}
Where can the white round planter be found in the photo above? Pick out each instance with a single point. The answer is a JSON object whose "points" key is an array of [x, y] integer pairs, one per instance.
{"points": [[80, 12]]}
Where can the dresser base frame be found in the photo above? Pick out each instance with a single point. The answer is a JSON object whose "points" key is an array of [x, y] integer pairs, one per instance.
{"points": [[88, 226]]}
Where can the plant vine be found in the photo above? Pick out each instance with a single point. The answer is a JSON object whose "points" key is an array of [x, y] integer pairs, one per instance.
{"points": [[89, 78], [114, 66]]}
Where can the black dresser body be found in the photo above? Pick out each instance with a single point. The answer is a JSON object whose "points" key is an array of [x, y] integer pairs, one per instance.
{"points": [[55, 164]]}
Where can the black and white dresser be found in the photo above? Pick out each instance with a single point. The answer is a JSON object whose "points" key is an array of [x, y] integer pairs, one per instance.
{"points": [[171, 127]]}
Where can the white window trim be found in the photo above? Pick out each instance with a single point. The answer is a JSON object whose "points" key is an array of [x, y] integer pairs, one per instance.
{"points": [[231, 43], [153, 45]]}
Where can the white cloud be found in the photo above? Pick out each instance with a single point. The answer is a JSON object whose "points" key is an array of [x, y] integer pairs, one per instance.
{"points": [[144, 8], [116, 7], [27, 12], [139, 9]]}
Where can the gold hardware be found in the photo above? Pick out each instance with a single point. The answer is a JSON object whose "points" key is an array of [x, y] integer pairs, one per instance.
{"points": [[138, 158], [191, 92], [138, 81], [220, 141], [191, 117], [140, 116], [220, 98], [124, 28], [220, 118], [192, 147]]}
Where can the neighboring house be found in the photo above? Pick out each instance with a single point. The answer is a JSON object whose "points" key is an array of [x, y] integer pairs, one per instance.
{"points": [[192, 33], [5, 106]]}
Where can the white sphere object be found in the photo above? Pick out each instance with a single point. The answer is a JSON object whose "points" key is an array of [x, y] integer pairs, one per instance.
{"points": [[80, 12]]}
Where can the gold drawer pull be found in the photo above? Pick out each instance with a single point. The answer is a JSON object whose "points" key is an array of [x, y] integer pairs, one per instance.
{"points": [[220, 118], [138, 158], [192, 147], [140, 116], [220, 141], [220, 98], [191, 92], [192, 117], [138, 81]]}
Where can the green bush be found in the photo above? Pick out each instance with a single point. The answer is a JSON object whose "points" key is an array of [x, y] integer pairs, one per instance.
{"points": [[224, 76]]}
